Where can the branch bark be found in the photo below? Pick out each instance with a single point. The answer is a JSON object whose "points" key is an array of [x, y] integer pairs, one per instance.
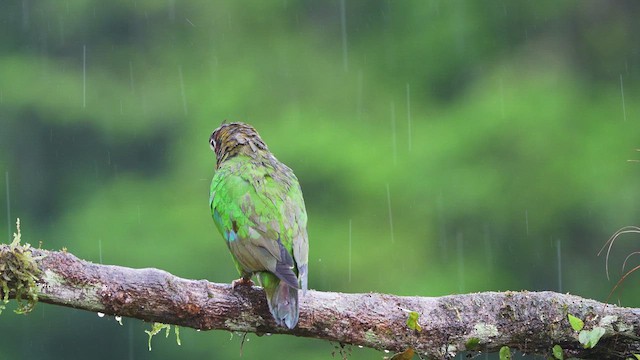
{"points": [[532, 322]]}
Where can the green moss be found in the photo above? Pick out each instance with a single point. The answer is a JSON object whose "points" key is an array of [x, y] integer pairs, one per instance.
{"points": [[371, 337], [472, 344], [157, 327], [18, 274], [412, 321], [558, 352], [505, 353]]}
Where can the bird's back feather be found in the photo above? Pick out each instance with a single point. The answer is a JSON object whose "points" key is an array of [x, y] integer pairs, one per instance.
{"points": [[261, 215]]}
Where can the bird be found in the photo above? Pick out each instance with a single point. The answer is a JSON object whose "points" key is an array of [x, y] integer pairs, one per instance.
{"points": [[257, 206]]}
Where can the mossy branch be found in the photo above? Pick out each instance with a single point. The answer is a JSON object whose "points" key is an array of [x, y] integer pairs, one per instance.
{"points": [[18, 274], [436, 327]]}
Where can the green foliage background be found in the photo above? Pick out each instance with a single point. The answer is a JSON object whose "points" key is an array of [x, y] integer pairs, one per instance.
{"points": [[502, 131]]}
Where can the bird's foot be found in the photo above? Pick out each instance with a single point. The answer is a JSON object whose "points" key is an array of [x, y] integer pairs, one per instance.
{"points": [[242, 281]]}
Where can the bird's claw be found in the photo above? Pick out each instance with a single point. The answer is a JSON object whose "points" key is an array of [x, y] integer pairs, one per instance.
{"points": [[241, 281]]}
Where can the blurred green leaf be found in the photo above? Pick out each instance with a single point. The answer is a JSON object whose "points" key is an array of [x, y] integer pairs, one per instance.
{"points": [[472, 344], [596, 335], [557, 352], [505, 353], [589, 338]]}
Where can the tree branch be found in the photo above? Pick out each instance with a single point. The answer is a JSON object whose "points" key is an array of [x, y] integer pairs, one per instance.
{"points": [[532, 322]]}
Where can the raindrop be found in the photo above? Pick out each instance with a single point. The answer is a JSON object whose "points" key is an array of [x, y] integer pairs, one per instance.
{"points": [[386, 351], [409, 116], [172, 10], [360, 346], [189, 21], [359, 96], [119, 319], [6, 178], [143, 103], [61, 25], [182, 92], [268, 334], [131, 83], [559, 258], [393, 133], [349, 250], [624, 108], [130, 340], [502, 97], [460, 254], [100, 314], [25, 14], [390, 214], [100, 250], [488, 248], [343, 27], [84, 76], [214, 67], [442, 226]]}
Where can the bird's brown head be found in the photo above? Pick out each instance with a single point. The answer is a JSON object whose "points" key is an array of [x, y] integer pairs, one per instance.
{"points": [[235, 138]]}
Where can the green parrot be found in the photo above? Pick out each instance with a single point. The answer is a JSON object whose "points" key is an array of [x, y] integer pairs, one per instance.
{"points": [[257, 205]]}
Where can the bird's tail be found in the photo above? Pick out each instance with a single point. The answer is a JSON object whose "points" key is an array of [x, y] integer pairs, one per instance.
{"points": [[282, 299]]}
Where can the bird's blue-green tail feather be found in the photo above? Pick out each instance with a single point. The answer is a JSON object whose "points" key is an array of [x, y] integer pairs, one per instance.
{"points": [[281, 298]]}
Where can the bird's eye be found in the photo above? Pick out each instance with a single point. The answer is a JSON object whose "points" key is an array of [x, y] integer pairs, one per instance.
{"points": [[212, 144]]}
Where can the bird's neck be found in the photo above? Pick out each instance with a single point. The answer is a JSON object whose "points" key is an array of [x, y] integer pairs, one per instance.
{"points": [[246, 151]]}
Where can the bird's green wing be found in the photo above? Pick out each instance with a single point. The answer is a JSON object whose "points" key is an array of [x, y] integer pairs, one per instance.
{"points": [[296, 230], [245, 205]]}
